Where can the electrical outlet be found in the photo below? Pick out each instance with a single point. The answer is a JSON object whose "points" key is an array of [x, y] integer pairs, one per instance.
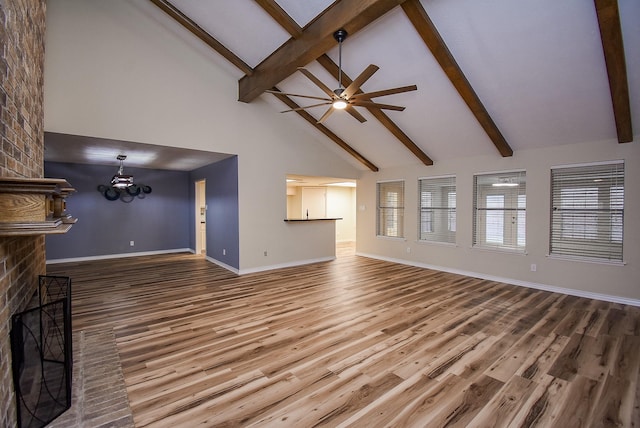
{"points": [[224, 252], [534, 267], [265, 253], [408, 250], [131, 243]]}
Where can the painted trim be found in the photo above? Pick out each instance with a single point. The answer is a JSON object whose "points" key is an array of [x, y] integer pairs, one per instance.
{"points": [[543, 287], [222, 265], [437, 176], [119, 256], [192, 251], [286, 265], [580, 165], [537, 286], [506, 171]]}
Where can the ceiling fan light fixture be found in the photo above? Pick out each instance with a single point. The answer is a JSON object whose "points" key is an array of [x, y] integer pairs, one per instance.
{"points": [[339, 104], [346, 98]]}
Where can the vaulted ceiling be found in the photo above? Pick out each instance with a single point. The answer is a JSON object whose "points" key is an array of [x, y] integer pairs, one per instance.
{"points": [[494, 77]]}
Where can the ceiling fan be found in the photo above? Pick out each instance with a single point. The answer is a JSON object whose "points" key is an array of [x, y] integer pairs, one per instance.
{"points": [[351, 96]]}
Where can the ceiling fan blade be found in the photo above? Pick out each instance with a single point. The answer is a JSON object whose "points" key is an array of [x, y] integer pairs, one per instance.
{"points": [[376, 105], [326, 114], [318, 82], [297, 95], [353, 112], [306, 107], [358, 81], [369, 95]]}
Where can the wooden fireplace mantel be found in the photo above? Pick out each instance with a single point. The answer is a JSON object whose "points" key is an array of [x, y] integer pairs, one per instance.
{"points": [[34, 206]]}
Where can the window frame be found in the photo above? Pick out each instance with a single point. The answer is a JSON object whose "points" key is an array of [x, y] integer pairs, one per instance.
{"points": [[510, 217], [435, 213], [586, 213], [390, 217]]}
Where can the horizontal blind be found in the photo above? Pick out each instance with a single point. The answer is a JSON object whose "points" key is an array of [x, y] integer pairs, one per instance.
{"points": [[499, 210], [390, 209], [587, 211], [437, 209]]}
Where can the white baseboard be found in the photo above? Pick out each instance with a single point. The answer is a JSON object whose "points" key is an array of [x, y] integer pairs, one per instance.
{"points": [[222, 265], [537, 286], [286, 265], [189, 250], [118, 256]]}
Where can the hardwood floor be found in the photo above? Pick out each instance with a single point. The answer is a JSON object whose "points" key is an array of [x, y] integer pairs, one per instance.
{"points": [[356, 342]]}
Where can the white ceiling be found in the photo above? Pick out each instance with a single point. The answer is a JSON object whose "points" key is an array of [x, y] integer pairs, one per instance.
{"points": [[536, 65]]}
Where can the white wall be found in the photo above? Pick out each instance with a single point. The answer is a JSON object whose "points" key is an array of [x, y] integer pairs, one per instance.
{"points": [[579, 278], [294, 202], [122, 69], [341, 203]]}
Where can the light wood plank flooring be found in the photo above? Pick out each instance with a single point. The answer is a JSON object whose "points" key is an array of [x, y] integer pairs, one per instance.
{"points": [[356, 342]]}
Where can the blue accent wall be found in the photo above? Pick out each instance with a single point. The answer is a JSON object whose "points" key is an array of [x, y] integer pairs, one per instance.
{"points": [[223, 230], [158, 222]]}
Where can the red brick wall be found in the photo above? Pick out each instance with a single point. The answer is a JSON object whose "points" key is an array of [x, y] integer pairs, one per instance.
{"points": [[22, 27]]}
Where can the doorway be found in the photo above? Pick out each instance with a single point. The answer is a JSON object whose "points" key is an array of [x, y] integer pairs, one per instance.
{"points": [[325, 197], [201, 217]]}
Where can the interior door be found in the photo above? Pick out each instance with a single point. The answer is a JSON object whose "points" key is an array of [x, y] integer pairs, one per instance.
{"points": [[201, 217]]}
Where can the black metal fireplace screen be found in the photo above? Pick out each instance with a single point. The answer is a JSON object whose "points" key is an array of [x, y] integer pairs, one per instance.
{"points": [[42, 354]]}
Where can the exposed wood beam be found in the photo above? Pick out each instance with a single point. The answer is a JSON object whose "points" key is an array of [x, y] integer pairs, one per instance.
{"points": [[281, 16], [316, 39], [292, 27], [425, 28], [187, 23], [326, 131], [613, 47], [235, 60], [332, 68]]}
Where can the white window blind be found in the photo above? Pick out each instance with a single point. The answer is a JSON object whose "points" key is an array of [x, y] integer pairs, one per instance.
{"points": [[391, 209], [437, 209], [499, 210], [587, 211]]}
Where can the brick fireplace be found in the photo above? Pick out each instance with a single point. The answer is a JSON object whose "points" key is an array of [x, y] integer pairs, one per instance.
{"points": [[22, 259]]}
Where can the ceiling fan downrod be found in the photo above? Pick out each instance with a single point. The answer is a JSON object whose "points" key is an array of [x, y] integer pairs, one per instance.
{"points": [[340, 36]]}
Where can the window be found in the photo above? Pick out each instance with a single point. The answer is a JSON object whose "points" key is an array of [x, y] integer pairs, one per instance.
{"points": [[494, 224], [587, 211], [499, 210], [451, 211], [437, 209], [391, 209]]}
